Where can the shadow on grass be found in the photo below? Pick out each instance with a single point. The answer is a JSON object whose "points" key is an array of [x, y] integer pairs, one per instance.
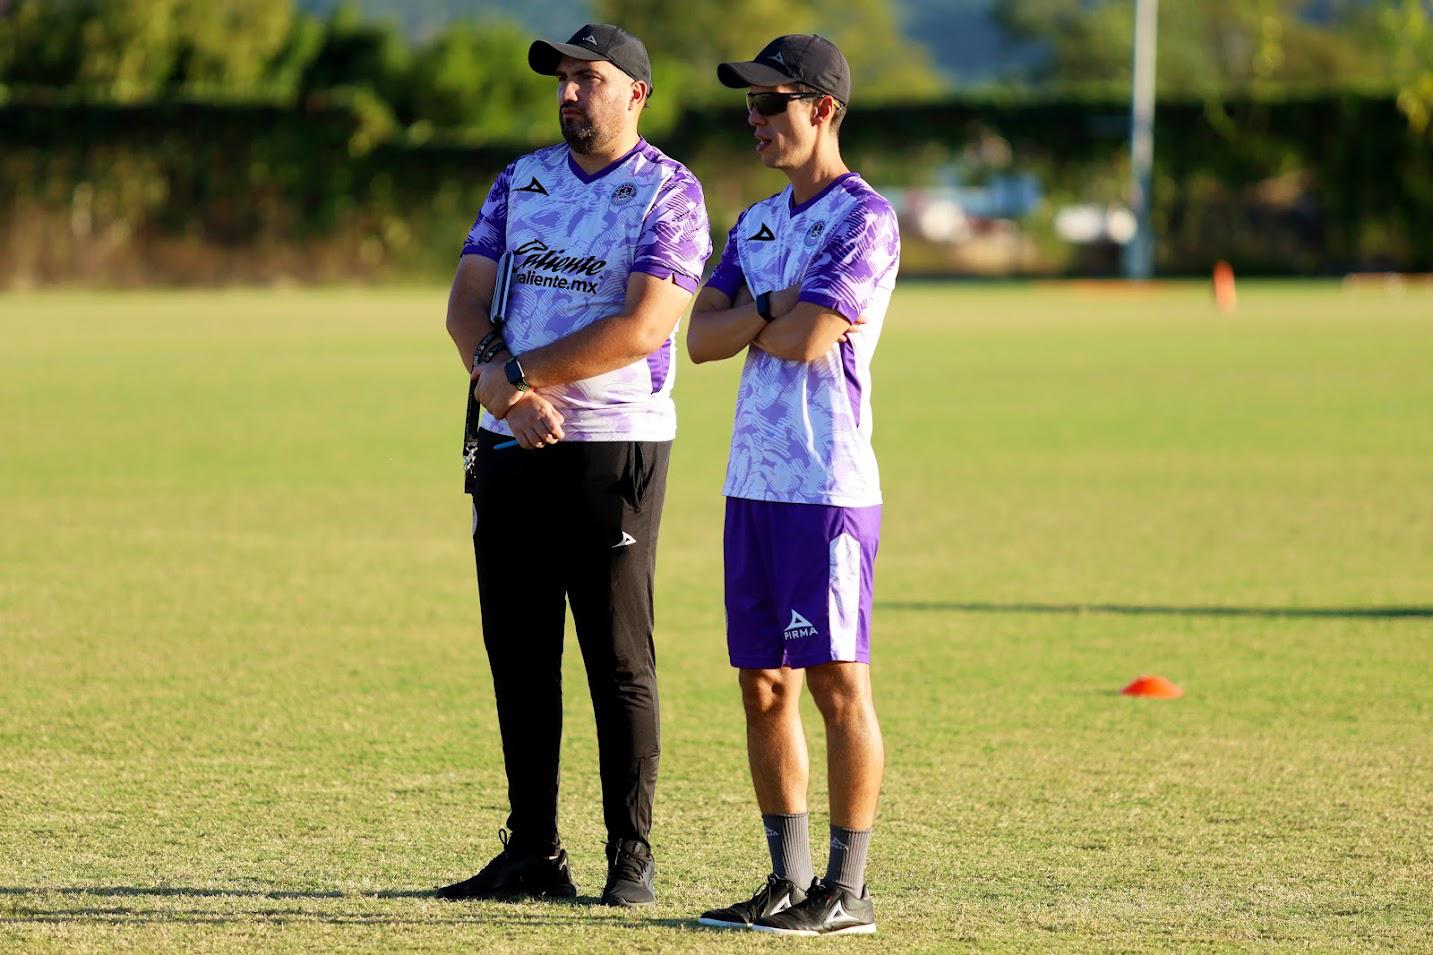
{"points": [[577, 913], [1374, 613]]}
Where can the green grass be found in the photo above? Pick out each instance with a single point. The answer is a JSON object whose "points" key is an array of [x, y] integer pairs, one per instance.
{"points": [[244, 702]]}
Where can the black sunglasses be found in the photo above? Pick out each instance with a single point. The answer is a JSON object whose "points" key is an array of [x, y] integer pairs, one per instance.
{"points": [[774, 104]]}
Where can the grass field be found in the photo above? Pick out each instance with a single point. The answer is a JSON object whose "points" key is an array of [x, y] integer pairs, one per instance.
{"points": [[244, 702]]}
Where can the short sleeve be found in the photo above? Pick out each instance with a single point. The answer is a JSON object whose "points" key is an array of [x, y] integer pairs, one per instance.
{"points": [[728, 276], [845, 274], [676, 239], [488, 236]]}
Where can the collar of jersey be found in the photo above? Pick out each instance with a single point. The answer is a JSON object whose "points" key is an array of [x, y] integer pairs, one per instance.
{"points": [[797, 209], [586, 179]]}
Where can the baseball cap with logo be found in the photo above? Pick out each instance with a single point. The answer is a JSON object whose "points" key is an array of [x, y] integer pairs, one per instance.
{"points": [[595, 41], [795, 58]]}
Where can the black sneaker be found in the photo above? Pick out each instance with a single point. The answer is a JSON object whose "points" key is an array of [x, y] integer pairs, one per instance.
{"points": [[777, 895], [829, 909], [541, 875], [629, 874]]}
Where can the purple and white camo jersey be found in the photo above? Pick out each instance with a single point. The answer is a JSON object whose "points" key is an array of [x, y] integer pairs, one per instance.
{"points": [[576, 239], [803, 429]]}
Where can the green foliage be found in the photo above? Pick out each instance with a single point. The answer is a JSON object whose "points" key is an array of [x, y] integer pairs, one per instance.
{"points": [[884, 63], [475, 78], [1210, 47]]}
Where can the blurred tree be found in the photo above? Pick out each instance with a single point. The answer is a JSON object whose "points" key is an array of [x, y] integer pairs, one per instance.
{"points": [[1213, 45], [475, 77], [124, 49], [687, 47], [355, 54], [228, 45], [885, 65]]}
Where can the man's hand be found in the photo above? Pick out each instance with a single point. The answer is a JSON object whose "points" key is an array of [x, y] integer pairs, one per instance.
{"points": [[535, 423], [493, 390], [854, 329]]}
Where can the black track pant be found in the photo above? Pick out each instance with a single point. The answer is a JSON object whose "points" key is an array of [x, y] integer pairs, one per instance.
{"points": [[576, 521]]}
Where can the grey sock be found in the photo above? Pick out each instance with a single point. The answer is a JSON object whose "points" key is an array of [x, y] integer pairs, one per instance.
{"points": [[847, 865], [790, 845]]}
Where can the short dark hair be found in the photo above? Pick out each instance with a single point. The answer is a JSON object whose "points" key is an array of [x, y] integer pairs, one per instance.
{"points": [[836, 117]]}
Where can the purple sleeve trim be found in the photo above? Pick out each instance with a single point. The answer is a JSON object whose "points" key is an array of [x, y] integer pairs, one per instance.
{"points": [[728, 276], [658, 270], [846, 309], [484, 249], [726, 279]]}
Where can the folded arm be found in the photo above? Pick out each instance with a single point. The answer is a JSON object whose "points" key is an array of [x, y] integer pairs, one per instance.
{"points": [[649, 314]]}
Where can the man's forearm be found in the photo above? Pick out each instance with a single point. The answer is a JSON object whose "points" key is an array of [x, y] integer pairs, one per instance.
{"points": [[717, 335], [467, 327], [606, 345]]}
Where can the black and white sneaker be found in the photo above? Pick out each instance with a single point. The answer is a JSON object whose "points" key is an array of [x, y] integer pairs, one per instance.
{"points": [[514, 874], [630, 870], [829, 909], [777, 895]]}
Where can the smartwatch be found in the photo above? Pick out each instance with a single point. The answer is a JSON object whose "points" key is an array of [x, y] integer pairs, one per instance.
{"points": [[763, 306], [515, 375]]}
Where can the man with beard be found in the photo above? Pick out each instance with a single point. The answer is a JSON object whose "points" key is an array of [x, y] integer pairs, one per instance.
{"points": [[802, 289], [608, 239]]}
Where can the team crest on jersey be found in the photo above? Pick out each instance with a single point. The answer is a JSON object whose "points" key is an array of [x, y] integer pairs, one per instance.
{"points": [[624, 194], [814, 234]]}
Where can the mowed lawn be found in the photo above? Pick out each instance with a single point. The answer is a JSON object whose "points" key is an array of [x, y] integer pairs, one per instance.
{"points": [[244, 702]]}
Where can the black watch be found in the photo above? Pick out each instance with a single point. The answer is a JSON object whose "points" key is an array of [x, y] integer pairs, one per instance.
{"points": [[515, 375], [763, 306]]}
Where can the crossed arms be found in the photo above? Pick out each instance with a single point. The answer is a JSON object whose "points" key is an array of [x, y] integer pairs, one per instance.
{"points": [[799, 331]]}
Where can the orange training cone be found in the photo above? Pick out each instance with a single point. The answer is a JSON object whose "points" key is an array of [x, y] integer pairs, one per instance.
{"points": [[1154, 687], [1225, 297]]}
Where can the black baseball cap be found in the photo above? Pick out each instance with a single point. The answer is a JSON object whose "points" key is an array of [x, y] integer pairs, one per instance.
{"points": [[794, 58], [595, 41]]}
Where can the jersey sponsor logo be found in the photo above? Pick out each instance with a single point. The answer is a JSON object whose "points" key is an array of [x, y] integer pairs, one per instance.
{"points": [[814, 234], [624, 194], [798, 627], [539, 258], [533, 186], [764, 234]]}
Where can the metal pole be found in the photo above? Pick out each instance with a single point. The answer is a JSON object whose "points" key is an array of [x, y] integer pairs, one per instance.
{"points": [[1139, 253]]}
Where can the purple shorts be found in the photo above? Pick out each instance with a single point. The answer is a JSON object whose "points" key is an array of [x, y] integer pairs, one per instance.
{"points": [[799, 579]]}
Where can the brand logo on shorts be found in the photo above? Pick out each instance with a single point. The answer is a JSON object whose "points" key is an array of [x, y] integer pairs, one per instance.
{"points": [[627, 541], [798, 627], [814, 234]]}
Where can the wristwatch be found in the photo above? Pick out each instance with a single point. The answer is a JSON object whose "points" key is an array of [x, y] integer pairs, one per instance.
{"points": [[515, 375], [763, 306]]}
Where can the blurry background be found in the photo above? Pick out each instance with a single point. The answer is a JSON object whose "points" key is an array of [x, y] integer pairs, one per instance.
{"points": [[203, 141]]}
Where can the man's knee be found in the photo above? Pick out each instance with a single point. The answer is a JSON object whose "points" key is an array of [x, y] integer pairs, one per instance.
{"points": [[769, 693], [841, 690]]}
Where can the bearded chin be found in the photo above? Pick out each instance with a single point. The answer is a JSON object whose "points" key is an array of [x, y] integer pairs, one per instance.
{"points": [[580, 134]]}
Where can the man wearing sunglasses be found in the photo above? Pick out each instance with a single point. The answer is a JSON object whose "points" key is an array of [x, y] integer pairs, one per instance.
{"points": [[607, 238], [803, 288]]}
